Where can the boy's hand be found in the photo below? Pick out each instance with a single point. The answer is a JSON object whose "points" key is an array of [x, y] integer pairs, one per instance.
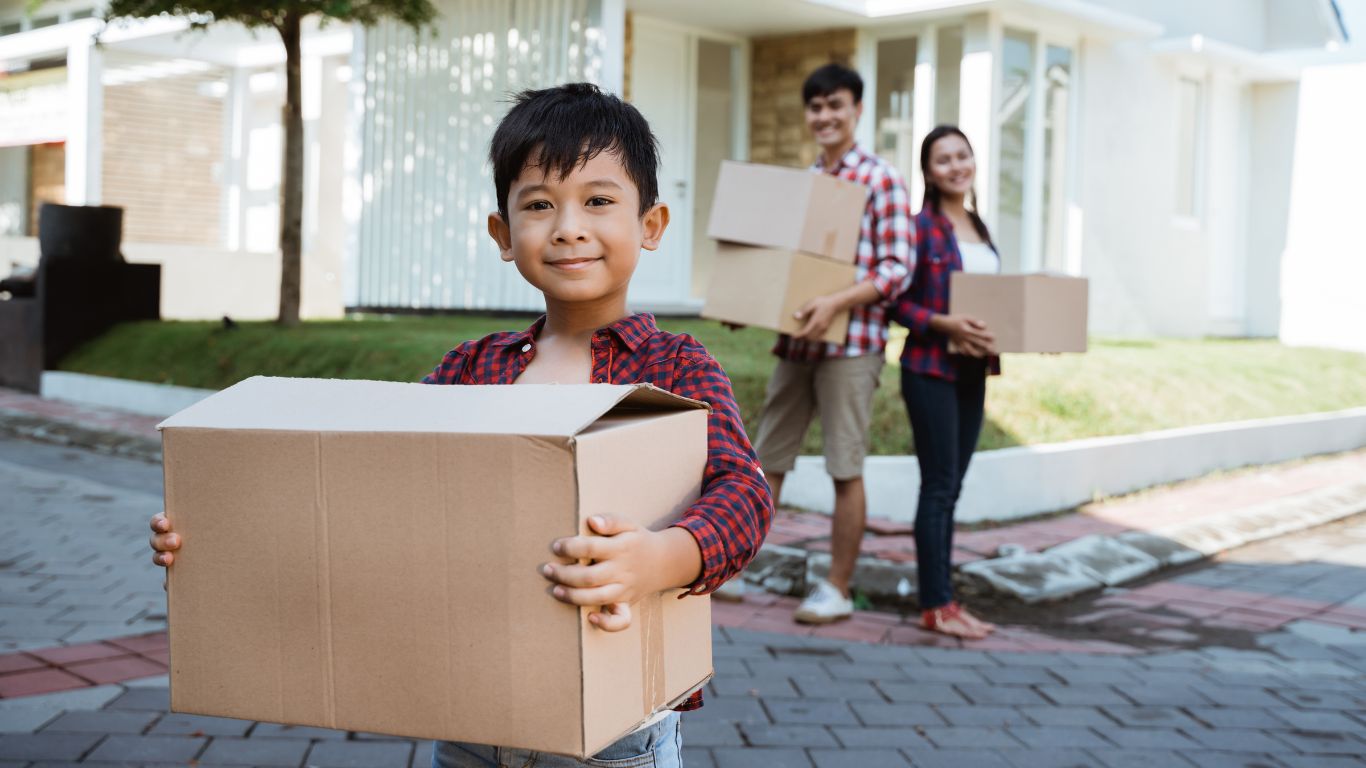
{"points": [[625, 563], [816, 316], [164, 543]]}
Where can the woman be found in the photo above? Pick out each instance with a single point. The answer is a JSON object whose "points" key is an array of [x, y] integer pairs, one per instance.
{"points": [[944, 367]]}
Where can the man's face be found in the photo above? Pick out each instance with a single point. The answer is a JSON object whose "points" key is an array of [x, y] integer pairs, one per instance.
{"points": [[577, 239], [831, 118]]}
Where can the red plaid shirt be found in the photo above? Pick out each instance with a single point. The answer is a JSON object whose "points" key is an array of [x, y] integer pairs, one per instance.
{"points": [[885, 247], [733, 515], [936, 257]]}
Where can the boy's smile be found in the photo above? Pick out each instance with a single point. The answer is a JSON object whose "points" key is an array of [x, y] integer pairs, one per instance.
{"points": [[577, 238]]}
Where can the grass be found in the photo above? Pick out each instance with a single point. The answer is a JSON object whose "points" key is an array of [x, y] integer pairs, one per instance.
{"points": [[1119, 387]]}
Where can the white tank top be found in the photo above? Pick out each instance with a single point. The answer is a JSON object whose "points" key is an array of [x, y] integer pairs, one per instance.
{"points": [[978, 257]]}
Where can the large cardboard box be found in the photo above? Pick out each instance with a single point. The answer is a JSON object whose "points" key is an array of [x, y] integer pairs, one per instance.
{"points": [[364, 556], [1026, 313], [764, 287], [790, 208]]}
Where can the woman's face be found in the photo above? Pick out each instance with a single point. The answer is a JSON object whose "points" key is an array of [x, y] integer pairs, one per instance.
{"points": [[952, 166]]}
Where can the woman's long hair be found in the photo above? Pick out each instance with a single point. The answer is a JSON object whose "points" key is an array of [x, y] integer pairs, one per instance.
{"points": [[933, 194]]}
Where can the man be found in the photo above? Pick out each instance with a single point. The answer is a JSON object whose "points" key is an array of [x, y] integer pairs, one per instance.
{"points": [[838, 380]]}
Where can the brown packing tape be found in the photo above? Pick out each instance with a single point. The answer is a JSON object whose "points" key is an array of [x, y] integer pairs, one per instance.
{"points": [[651, 610]]}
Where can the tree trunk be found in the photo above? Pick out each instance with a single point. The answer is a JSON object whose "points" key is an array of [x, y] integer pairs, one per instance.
{"points": [[292, 178]]}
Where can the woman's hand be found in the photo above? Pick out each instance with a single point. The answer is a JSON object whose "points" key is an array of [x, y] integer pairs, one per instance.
{"points": [[967, 335]]}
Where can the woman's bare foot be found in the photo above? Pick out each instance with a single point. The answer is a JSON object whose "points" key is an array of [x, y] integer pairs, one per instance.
{"points": [[983, 624], [950, 620]]}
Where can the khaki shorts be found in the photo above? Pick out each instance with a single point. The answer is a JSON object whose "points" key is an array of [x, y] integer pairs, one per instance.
{"points": [[841, 390]]}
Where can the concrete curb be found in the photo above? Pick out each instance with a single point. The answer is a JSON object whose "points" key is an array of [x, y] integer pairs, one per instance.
{"points": [[139, 397], [1082, 565], [46, 430]]}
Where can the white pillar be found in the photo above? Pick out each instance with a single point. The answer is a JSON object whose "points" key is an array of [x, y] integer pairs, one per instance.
{"points": [[85, 113], [922, 106], [1031, 226], [977, 105], [613, 46]]}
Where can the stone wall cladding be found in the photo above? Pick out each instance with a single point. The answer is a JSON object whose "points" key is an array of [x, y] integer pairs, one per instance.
{"points": [[779, 66]]}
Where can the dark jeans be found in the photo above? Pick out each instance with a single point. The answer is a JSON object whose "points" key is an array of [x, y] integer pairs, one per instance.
{"points": [[946, 418]]}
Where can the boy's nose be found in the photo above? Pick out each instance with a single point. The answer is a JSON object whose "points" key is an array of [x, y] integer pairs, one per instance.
{"points": [[569, 228]]}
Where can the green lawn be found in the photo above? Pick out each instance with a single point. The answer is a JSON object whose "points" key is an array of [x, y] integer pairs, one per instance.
{"points": [[1119, 387]]}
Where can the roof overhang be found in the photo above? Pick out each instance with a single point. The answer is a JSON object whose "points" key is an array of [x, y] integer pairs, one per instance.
{"points": [[1248, 64]]}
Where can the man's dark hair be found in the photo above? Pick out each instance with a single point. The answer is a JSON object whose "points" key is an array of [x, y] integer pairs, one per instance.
{"points": [[830, 78], [560, 128]]}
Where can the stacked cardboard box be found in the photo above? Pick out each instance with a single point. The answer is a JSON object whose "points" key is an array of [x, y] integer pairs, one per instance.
{"points": [[787, 236], [364, 556]]}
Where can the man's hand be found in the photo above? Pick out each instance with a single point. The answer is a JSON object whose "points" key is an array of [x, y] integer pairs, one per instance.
{"points": [[164, 542], [816, 316], [967, 335], [624, 564]]}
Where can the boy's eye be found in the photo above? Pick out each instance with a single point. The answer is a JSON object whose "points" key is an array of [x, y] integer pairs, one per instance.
{"points": [[538, 205], [599, 201]]}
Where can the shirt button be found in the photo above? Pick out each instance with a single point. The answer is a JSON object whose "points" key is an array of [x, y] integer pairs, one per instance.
{"points": [[526, 347]]}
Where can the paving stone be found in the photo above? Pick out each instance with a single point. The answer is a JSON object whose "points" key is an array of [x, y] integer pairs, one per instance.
{"points": [[422, 755], [1320, 761], [142, 749], [1323, 742], [1180, 696], [1313, 720], [982, 715], [816, 688], [1049, 757], [921, 693], [865, 671], [731, 709], [1148, 738], [200, 725], [1139, 758], [815, 712], [102, 721], [762, 757], [360, 754], [1319, 699], [956, 758], [26, 720], [919, 673], [866, 738], [1237, 717], [882, 714], [47, 746], [1230, 696], [1016, 695], [766, 735], [858, 758], [1021, 676], [1095, 676], [1056, 736], [1238, 740], [955, 657], [974, 737], [283, 731], [1082, 694], [712, 734], [753, 686], [1082, 716], [258, 752], [1150, 716], [693, 757], [154, 699], [1232, 759]]}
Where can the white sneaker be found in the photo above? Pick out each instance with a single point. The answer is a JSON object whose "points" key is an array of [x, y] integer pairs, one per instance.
{"points": [[823, 605]]}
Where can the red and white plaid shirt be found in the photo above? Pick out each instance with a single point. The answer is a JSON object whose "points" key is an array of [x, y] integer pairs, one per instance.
{"points": [[886, 251]]}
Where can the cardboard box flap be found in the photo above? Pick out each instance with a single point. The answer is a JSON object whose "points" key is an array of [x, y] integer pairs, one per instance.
{"points": [[339, 405]]}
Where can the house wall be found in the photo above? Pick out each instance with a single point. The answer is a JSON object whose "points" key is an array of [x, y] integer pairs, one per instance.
{"points": [[779, 66], [163, 151], [1148, 268], [1324, 265], [1271, 163]]}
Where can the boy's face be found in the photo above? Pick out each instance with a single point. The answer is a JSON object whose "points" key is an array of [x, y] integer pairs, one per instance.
{"points": [[577, 239], [832, 118]]}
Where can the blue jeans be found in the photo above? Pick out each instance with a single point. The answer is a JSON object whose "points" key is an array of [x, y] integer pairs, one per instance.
{"points": [[946, 418], [659, 746]]}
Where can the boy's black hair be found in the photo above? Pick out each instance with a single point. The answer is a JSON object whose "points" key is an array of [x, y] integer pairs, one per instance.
{"points": [[561, 128], [830, 78]]}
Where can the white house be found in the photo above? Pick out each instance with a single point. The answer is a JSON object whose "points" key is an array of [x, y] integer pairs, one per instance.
{"points": [[1197, 161]]}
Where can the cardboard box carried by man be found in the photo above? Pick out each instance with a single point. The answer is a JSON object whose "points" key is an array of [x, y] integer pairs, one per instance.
{"points": [[787, 236]]}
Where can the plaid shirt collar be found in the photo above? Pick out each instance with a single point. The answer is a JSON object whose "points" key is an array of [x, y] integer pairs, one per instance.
{"points": [[850, 159], [632, 331]]}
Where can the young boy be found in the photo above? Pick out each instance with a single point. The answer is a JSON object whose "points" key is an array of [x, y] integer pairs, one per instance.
{"points": [[577, 201]]}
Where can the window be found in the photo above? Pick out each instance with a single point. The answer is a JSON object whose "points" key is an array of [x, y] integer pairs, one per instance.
{"points": [[10, 28], [1189, 150], [1012, 114], [45, 21], [895, 104], [948, 72], [83, 14]]}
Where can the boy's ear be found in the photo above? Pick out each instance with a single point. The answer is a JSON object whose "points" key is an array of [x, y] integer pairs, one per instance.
{"points": [[653, 224], [501, 234]]}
